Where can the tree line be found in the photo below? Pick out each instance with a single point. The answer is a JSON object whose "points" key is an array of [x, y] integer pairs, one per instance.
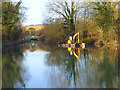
{"points": [[97, 22]]}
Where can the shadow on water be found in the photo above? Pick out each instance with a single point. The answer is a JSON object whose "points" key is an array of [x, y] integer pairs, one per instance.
{"points": [[11, 61], [95, 68]]}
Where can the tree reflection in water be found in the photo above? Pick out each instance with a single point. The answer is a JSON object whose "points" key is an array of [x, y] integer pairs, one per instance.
{"points": [[109, 67], [11, 67], [96, 67]]}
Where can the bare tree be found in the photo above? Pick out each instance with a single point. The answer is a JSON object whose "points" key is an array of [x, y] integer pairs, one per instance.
{"points": [[68, 11]]}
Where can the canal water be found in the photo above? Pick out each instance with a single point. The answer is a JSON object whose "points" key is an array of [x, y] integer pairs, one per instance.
{"points": [[38, 65]]}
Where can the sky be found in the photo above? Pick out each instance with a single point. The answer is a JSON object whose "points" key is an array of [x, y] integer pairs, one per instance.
{"points": [[35, 13], [36, 10]]}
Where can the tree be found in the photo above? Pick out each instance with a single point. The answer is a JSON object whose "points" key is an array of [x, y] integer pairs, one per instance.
{"points": [[119, 23], [32, 31], [104, 15], [11, 20], [68, 11]]}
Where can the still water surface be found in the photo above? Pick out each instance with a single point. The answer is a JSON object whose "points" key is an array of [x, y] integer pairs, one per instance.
{"points": [[38, 65]]}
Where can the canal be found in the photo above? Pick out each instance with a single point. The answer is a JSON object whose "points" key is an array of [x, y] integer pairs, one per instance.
{"points": [[38, 65]]}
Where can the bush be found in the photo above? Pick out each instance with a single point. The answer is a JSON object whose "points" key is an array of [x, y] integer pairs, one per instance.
{"points": [[89, 42], [55, 33]]}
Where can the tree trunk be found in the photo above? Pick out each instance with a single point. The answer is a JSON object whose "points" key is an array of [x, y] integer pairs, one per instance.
{"points": [[119, 24], [119, 44]]}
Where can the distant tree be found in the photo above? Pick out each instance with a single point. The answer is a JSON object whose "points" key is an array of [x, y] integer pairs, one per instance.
{"points": [[32, 31]]}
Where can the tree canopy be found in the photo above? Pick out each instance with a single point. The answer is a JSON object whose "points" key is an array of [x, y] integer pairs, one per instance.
{"points": [[11, 21]]}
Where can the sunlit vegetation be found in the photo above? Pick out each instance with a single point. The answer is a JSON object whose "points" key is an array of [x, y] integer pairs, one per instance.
{"points": [[12, 16], [97, 22], [54, 32]]}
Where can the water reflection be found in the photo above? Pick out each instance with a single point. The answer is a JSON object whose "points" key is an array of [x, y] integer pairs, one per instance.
{"points": [[74, 51], [95, 67], [11, 69], [36, 65]]}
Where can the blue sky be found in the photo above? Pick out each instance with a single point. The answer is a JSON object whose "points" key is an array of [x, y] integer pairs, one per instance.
{"points": [[35, 13]]}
